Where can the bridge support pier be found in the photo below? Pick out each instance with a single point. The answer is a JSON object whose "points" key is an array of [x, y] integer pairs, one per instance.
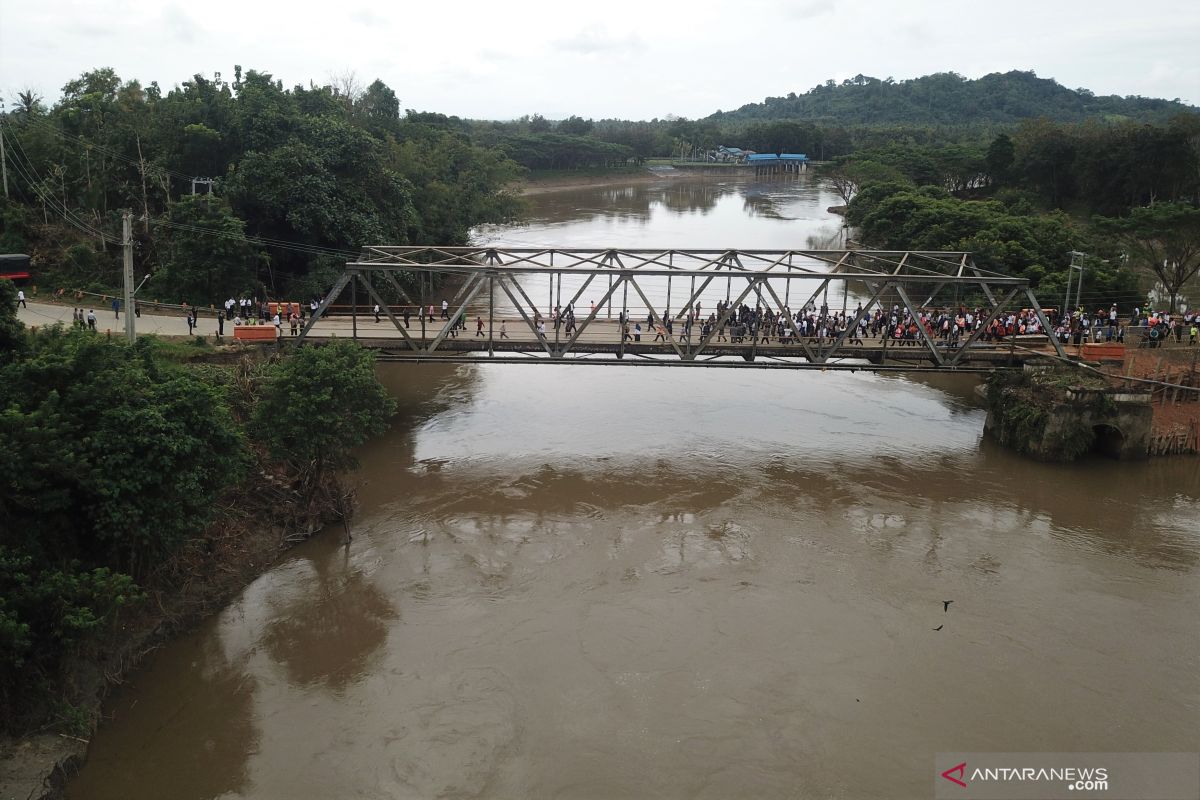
{"points": [[1032, 414]]}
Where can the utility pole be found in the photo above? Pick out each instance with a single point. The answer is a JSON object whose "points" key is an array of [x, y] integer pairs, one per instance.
{"points": [[127, 243], [145, 204], [1077, 263], [1074, 265], [1079, 286], [3, 158]]}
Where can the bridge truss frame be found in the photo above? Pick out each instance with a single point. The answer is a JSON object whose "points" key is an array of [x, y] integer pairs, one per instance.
{"points": [[901, 276]]}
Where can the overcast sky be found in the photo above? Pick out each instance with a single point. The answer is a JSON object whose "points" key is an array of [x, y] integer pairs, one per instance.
{"points": [[633, 59]]}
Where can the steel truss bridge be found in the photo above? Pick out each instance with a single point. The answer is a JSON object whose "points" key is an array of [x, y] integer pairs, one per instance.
{"points": [[662, 285]]}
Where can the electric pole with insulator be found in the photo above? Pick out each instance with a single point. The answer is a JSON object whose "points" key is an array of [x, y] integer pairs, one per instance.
{"points": [[127, 246]]}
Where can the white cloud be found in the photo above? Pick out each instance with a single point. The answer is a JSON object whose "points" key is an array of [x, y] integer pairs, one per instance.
{"points": [[597, 39], [180, 25], [626, 58]]}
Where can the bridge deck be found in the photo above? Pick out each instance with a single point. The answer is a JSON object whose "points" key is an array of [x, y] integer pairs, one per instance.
{"points": [[601, 343]]}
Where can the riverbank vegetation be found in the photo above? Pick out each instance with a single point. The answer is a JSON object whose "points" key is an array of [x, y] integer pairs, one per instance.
{"points": [[1124, 194], [130, 475]]}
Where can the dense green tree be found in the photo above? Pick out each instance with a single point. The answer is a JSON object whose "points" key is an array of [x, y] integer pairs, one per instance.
{"points": [[1036, 246], [12, 332], [15, 227], [848, 176], [47, 613], [330, 187], [575, 126], [452, 183], [112, 460], [950, 98], [1000, 156], [379, 107], [112, 457], [644, 139], [205, 255], [558, 151], [320, 403], [785, 137]]}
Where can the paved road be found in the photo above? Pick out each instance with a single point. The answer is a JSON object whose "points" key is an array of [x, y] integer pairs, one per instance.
{"points": [[41, 314]]}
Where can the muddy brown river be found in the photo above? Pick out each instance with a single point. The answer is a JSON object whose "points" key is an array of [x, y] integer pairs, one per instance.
{"points": [[597, 582]]}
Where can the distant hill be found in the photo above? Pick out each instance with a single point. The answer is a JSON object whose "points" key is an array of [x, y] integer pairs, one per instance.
{"points": [[948, 98]]}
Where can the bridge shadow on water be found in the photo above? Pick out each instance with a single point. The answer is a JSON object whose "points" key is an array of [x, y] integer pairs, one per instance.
{"points": [[472, 445]]}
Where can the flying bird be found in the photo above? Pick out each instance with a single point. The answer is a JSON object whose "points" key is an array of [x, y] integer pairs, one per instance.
{"points": [[939, 627], [946, 605]]}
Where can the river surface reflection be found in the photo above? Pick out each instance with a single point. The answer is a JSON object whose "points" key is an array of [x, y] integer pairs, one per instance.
{"points": [[586, 582]]}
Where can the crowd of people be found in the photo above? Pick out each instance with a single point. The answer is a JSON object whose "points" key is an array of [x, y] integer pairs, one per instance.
{"points": [[760, 324], [948, 327], [813, 324], [1161, 327]]}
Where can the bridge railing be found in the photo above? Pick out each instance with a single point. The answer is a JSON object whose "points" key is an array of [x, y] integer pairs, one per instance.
{"points": [[632, 281]]}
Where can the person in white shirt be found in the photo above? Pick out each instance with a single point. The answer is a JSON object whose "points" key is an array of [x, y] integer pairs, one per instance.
{"points": [[21, 298]]}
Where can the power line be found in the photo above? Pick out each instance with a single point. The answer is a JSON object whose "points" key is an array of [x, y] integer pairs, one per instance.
{"points": [[79, 223], [259, 240], [34, 180], [36, 184], [102, 148]]}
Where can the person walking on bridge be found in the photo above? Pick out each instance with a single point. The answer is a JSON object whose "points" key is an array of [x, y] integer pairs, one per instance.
{"points": [[445, 308], [377, 313], [479, 326]]}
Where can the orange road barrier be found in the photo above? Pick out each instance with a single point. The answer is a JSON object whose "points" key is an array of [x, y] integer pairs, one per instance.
{"points": [[1103, 352], [254, 333]]}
